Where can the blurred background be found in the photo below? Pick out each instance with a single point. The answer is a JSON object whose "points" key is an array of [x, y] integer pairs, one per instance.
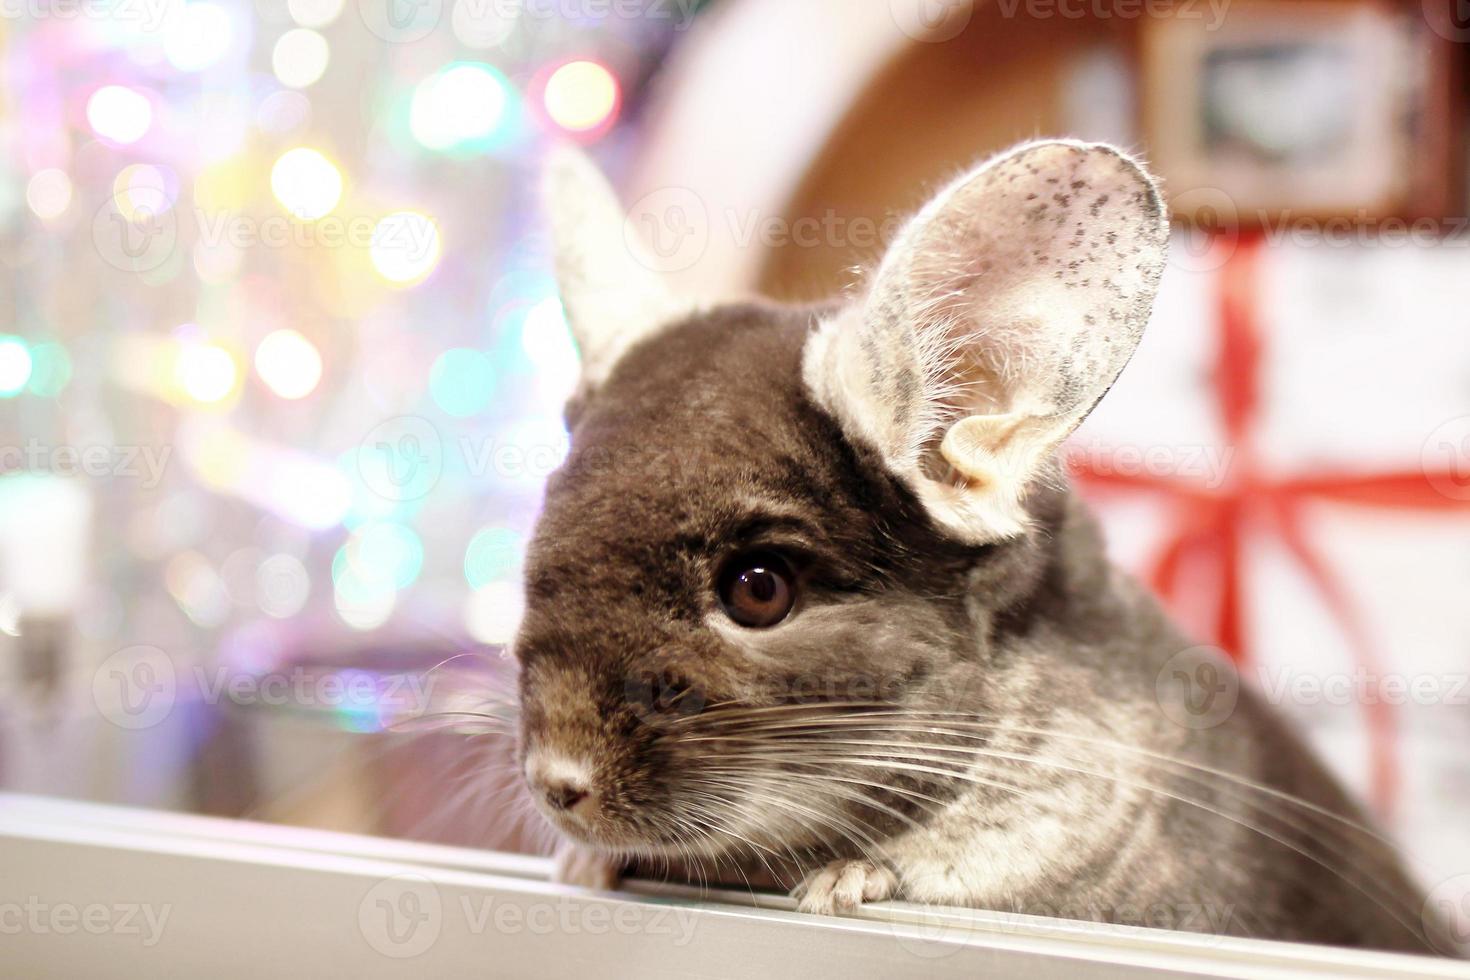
{"points": [[282, 363]]}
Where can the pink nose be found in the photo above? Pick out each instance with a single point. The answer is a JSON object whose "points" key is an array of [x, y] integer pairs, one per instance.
{"points": [[565, 785], [564, 796]]}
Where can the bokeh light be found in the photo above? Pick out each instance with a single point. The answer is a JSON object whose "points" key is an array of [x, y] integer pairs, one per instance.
{"points": [[119, 114], [218, 262], [462, 381], [197, 36], [285, 261], [368, 570], [225, 185], [288, 363], [141, 192], [362, 610], [15, 365], [302, 489], [546, 340], [462, 106], [205, 372], [283, 113], [282, 586], [296, 486], [306, 183], [405, 247], [50, 370], [300, 57], [48, 193], [386, 550], [582, 97], [493, 613], [482, 24], [494, 553], [393, 469], [314, 13], [197, 588]]}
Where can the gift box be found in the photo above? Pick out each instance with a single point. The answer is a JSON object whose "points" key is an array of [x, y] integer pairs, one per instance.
{"points": [[1287, 462]]}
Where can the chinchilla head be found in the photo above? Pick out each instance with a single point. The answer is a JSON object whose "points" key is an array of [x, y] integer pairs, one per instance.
{"points": [[769, 512]]}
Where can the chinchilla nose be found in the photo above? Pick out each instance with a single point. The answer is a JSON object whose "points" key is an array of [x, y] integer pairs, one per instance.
{"points": [[564, 796], [564, 784]]}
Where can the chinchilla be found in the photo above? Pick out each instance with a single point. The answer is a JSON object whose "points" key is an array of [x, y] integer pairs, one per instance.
{"points": [[810, 597]]}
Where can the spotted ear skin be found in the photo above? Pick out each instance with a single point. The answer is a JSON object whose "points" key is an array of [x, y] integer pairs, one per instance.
{"points": [[1002, 313]]}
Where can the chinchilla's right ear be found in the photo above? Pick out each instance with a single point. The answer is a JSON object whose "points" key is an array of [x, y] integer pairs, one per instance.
{"points": [[1001, 314], [609, 290]]}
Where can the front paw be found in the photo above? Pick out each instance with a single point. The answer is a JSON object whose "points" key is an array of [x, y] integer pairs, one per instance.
{"points": [[842, 886], [579, 866]]}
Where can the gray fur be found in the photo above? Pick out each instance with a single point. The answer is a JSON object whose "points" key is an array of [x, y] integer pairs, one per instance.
{"points": [[706, 439]]}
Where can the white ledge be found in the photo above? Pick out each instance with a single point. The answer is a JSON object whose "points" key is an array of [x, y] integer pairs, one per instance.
{"points": [[101, 891]]}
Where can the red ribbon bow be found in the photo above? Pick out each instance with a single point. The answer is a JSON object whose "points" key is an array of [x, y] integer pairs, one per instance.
{"points": [[1212, 524]]}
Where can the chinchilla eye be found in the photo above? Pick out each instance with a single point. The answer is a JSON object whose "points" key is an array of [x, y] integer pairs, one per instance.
{"points": [[758, 589]]}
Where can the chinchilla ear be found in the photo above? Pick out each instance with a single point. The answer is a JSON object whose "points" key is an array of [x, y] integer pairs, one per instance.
{"points": [[609, 290], [1001, 314]]}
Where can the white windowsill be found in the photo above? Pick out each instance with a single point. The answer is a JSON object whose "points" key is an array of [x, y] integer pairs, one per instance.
{"points": [[250, 900]]}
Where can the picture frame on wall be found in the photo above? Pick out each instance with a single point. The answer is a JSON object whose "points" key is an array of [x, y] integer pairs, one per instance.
{"points": [[1342, 108]]}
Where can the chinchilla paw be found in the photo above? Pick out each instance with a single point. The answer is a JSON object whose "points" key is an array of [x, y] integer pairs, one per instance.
{"points": [[579, 866], [842, 886]]}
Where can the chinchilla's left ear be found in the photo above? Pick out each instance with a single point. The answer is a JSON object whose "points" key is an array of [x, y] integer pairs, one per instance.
{"points": [[1001, 314], [609, 290]]}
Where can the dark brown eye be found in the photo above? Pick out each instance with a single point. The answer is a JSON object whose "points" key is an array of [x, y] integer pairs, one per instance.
{"points": [[758, 590]]}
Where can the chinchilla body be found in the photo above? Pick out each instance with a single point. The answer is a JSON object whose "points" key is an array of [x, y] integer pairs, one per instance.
{"points": [[811, 598]]}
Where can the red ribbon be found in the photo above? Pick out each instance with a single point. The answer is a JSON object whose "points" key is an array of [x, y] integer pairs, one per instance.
{"points": [[1211, 525]]}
